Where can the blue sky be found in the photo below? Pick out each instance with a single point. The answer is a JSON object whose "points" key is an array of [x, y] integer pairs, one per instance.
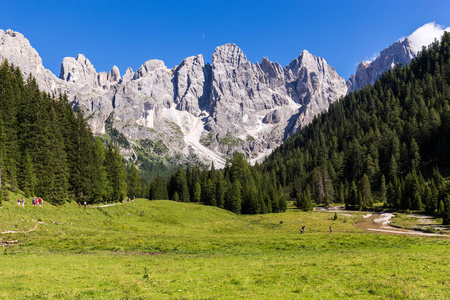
{"points": [[128, 33]]}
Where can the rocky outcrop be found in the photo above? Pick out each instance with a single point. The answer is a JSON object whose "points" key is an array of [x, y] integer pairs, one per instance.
{"points": [[79, 70], [210, 110], [15, 48], [316, 85], [129, 74], [401, 52], [82, 72]]}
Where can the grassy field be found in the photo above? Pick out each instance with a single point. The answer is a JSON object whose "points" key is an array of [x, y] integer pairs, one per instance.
{"points": [[168, 250]]}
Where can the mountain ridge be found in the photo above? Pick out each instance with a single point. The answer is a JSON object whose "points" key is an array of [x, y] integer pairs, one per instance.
{"points": [[204, 111], [400, 52]]}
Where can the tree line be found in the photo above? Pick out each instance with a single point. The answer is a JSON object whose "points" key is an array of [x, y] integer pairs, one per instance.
{"points": [[47, 150], [239, 188]]}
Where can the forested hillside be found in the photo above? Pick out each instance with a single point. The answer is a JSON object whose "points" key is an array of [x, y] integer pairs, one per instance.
{"points": [[389, 142], [48, 151]]}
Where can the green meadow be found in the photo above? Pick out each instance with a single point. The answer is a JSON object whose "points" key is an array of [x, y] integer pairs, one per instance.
{"points": [[170, 250]]}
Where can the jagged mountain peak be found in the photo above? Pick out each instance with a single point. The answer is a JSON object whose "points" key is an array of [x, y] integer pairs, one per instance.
{"points": [[307, 61], [150, 66], [191, 60], [129, 75], [79, 70], [368, 72], [17, 50], [114, 74], [229, 54]]}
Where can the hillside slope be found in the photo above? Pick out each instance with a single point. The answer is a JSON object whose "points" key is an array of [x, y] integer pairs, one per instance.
{"points": [[385, 142]]}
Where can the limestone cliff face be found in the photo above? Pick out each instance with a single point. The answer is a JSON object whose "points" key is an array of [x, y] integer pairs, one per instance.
{"points": [[195, 108], [366, 73], [316, 85], [17, 50]]}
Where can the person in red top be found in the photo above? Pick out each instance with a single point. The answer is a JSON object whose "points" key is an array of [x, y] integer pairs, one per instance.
{"points": [[40, 201]]}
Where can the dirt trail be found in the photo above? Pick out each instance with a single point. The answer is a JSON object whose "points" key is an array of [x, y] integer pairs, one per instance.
{"points": [[381, 223], [105, 205]]}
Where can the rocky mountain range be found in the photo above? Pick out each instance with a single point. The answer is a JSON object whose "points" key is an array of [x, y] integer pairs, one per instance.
{"points": [[196, 111]]}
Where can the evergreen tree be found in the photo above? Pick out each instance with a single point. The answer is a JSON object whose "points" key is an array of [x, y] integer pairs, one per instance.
{"points": [[432, 198], [207, 193], [197, 192], [158, 190], [233, 197], [133, 182], [366, 193], [303, 201], [54, 174], [383, 191], [82, 169], [352, 200], [415, 155], [99, 175], [28, 178], [220, 189], [181, 186], [446, 211], [116, 175], [176, 198]]}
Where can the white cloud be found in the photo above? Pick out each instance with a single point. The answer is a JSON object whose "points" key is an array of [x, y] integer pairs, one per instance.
{"points": [[374, 56], [425, 35]]}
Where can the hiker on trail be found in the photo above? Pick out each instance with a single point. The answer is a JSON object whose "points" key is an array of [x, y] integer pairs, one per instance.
{"points": [[18, 202], [23, 201], [331, 229], [78, 203], [84, 205], [34, 201], [40, 201], [304, 228]]}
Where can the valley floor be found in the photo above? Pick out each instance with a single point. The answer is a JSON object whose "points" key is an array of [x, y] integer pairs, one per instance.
{"points": [[168, 250]]}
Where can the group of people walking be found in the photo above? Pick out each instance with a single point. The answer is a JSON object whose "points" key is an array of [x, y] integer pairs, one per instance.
{"points": [[84, 204], [34, 202], [304, 229]]}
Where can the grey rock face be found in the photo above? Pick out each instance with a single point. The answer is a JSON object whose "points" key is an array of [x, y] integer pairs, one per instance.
{"points": [[211, 110], [17, 50], [79, 70], [261, 99], [129, 75], [191, 85], [82, 72], [114, 74], [316, 85], [366, 73]]}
